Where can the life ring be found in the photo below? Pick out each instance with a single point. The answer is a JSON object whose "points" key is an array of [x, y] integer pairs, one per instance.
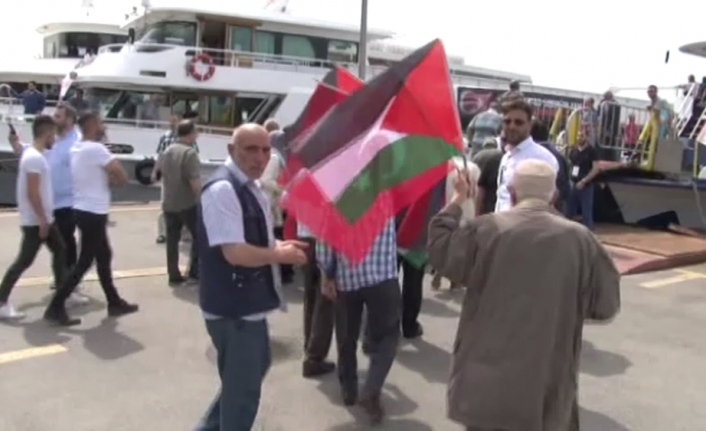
{"points": [[143, 171], [202, 59]]}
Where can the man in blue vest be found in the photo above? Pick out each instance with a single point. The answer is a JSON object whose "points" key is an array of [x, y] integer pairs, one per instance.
{"points": [[240, 282]]}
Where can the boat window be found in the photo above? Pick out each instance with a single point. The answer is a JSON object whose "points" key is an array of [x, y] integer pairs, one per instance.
{"points": [[170, 33], [297, 46], [220, 110], [344, 51], [265, 42], [241, 39], [128, 105], [77, 45]]}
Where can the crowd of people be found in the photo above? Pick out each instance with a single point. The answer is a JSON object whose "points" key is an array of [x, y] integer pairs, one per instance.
{"points": [[515, 357]]}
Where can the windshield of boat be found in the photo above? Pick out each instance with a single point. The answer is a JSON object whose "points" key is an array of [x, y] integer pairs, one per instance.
{"points": [[125, 105], [170, 33]]}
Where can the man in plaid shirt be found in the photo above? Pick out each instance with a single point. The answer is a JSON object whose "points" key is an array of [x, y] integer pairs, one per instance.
{"points": [[374, 284]]}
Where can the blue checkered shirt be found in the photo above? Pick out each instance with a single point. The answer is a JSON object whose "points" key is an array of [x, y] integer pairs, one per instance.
{"points": [[167, 139], [379, 265]]}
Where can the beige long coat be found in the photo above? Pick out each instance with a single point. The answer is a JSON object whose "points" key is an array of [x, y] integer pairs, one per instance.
{"points": [[532, 277]]}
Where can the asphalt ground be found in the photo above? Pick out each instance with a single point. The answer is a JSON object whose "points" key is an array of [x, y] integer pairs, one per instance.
{"points": [[155, 370]]}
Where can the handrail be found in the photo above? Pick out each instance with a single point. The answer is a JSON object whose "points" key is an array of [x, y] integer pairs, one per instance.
{"points": [[234, 58], [684, 112]]}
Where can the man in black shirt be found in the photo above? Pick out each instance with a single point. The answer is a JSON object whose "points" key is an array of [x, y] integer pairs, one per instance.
{"points": [[540, 134], [584, 168], [488, 161]]}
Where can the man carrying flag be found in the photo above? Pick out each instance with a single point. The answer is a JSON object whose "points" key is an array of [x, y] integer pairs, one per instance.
{"points": [[371, 155], [374, 284]]}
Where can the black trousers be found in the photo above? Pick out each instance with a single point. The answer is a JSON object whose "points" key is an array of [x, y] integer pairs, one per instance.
{"points": [[95, 247], [318, 311], [29, 247], [174, 224], [65, 221], [412, 282]]}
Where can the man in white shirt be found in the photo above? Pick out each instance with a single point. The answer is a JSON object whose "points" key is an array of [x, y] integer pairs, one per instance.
{"points": [[35, 205], [93, 169], [239, 283], [519, 146]]}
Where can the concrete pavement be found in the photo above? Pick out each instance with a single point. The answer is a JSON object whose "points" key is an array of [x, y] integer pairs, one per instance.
{"points": [[155, 371]]}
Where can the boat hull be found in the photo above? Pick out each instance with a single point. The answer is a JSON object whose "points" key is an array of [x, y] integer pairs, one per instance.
{"points": [[639, 199], [133, 191]]}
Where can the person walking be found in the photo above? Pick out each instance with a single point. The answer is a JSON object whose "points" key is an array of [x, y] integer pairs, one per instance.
{"points": [[318, 314], [239, 283], [515, 360], [167, 139], [34, 204], [93, 169], [373, 284], [181, 186]]}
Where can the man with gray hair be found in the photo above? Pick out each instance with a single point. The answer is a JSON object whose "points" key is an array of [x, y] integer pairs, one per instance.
{"points": [[516, 355]]}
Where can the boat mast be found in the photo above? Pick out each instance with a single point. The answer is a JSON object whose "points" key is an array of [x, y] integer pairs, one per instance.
{"points": [[363, 43]]}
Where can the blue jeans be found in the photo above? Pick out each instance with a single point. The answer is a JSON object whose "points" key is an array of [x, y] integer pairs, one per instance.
{"points": [[243, 360], [581, 200]]}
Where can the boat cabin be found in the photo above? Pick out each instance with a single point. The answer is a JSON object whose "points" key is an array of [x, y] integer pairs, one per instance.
{"points": [[258, 32]]}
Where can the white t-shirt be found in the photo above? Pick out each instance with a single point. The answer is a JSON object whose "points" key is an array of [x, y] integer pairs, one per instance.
{"points": [[34, 162], [91, 182]]}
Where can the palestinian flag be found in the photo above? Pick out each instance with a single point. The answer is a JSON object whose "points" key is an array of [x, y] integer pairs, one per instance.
{"points": [[333, 88], [376, 152], [413, 223], [336, 85]]}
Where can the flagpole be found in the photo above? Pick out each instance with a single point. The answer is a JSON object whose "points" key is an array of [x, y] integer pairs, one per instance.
{"points": [[363, 42]]}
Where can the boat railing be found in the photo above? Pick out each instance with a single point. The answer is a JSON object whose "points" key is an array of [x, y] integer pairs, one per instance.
{"points": [[685, 109], [621, 133], [255, 60]]}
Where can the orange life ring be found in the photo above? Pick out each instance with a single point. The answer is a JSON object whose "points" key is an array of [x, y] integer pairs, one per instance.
{"points": [[202, 59]]}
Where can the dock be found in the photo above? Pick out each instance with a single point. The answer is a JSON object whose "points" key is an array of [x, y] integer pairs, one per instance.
{"points": [[637, 250], [156, 369]]}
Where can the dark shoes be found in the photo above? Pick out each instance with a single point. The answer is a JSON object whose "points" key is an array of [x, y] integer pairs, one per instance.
{"points": [[373, 408], [349, 394], [415, 332], [161, 239], [183, 281], [57, 315], [311, 369], [121, 308]]}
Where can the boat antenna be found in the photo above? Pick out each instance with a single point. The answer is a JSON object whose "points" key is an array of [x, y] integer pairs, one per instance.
{"points": [[88, 5]]}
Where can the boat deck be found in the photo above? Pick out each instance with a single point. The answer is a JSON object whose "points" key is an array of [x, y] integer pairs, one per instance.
{"points": [[636, 250]]}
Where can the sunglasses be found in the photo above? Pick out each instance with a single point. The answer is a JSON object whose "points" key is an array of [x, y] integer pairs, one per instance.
{"points": [[515, 121]]}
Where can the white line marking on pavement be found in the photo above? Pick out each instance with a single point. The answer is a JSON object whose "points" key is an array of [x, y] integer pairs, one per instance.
{"points": [[685, 276], [92, 276]]}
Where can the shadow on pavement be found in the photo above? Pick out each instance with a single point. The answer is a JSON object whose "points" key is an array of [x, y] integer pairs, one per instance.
{"points": [[436, 308], [455, 295], [389, 424], [601, 363], [429, 360], [106, 343], [394, 401], [594, 421]]}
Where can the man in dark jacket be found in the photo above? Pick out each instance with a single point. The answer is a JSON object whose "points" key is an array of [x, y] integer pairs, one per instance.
{"points": [[540, 134]]}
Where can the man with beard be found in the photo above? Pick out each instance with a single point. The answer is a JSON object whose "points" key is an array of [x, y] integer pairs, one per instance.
{"points": [[519, 146], [516, 355], [34, 204]]}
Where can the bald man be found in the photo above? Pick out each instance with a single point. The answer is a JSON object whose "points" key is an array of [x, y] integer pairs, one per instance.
{"points": [[239, 284], [516, 356]]}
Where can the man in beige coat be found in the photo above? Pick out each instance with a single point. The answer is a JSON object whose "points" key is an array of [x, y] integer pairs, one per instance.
{"points": [[532, 278]]}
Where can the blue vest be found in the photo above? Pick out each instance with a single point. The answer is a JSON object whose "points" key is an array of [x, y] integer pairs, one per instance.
{"points": [[235, 291]]}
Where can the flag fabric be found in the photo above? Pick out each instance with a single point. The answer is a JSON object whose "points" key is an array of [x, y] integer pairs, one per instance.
{"points": [[333, 88], [376, 152], [413, 222]]}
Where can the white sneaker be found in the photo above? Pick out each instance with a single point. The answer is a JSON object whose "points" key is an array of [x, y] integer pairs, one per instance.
{"points": [[77, 298], [8, 312]]}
